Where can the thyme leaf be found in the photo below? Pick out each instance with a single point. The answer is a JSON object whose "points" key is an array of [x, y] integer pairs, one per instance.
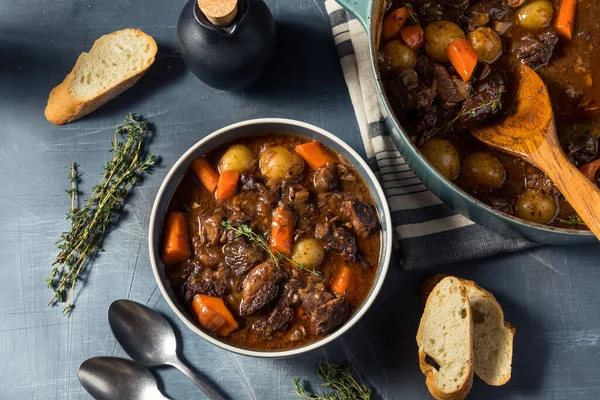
{"points": [[81, 244], [340, 379], [412, 15], [572, 220], [245, 230]]}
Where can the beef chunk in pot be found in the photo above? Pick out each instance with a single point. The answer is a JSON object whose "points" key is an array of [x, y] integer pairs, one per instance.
{"points": [[208, 256], [450, 89], [282, 313], [486, 101], [336, 238], [213, 282], [363, 217], [535, 51], [314, 295], [496, 9], [211, 229], [325, 178], [260, 287], [296, 196], [247, 182], [409, 92], [325, 310], [329, 316], [240, 254], [582, 150]]}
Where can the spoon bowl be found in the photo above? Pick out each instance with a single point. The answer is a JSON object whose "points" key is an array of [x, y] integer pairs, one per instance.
{"points": [[111, 378], [529, 132], [150, 339]]}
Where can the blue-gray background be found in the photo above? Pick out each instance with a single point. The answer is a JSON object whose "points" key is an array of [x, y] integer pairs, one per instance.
{"points": [[550, 294]]}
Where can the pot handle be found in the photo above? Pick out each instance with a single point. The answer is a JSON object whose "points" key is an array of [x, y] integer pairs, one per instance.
{"points": [[360, 9]]}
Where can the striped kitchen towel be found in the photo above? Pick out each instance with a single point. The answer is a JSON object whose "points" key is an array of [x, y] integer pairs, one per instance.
{"points": [[427, 232]]}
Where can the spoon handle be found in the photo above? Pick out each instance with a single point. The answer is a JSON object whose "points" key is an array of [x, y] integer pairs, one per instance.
{"points": [[581, 194], [208, 390]]}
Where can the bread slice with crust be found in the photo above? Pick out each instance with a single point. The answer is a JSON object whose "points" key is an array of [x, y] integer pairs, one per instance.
{"points": [[492, 336], [114, 64], [446, 335]]}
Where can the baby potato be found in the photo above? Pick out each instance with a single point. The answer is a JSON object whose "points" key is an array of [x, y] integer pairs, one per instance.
{"points": [[399, 55], [535, 206], [438, 36], [238, 158], [482, 170], [536, 15], [486, 43], [443, 156], [278, 163], [308, 252]]}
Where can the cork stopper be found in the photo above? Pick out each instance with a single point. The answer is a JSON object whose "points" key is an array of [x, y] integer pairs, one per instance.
{"points": [[219, 12]]}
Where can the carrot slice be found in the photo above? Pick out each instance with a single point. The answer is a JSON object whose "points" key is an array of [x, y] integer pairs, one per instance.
{"points": [[413, 36], [176, 240], [394, 22], [206, 173], [344, 283], [282, 230], [463, 57], [590, 170], [315, 155], [227, 183], [565, 18], [213, 315]]}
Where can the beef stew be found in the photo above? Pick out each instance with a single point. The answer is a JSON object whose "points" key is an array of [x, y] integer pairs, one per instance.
{"points": [[279, 251], [446, 65]]}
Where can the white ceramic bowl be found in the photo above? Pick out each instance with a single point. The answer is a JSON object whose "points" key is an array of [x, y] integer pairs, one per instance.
{"points": [[226, 135]]}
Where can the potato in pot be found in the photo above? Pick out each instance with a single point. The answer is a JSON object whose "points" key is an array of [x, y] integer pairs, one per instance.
{"points": [[482, 170], [443, 156], [238, 158], [399, 55], [535, 206], [536, 14], [308, 252], [438, 36], [279, 163], [486, 43]]}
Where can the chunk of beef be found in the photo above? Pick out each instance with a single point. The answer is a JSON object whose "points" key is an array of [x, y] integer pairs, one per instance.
{"points": [[325, 179], [329, 316], [430, 11], [295, 196], [535, 51], [496, 9], [240, 254], [345, 173], [208, 256], [486, 101], [582, 150], [450, 88], [283, 312], [363, 217], [207, 281], [336, 238], [325, 310], [314, 295], [247, 182], [211, 229], [409, 92], [260, 287], [289, 293]]}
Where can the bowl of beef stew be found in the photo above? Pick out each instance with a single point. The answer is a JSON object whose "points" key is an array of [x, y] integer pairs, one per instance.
{"points": [[270, 237], [443, 67]]}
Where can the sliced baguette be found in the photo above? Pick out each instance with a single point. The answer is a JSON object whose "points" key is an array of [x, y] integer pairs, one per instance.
{"points": [[492, 336], [114, 64], [446, 335]]}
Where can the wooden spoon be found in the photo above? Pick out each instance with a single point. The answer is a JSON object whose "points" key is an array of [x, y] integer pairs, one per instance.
{"points": [[529, 133]]}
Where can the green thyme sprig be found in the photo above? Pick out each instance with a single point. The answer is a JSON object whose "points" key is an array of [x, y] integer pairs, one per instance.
{"points": [[90, 223], [245, 230], [412, 15], [572, 220], [340, 380]]}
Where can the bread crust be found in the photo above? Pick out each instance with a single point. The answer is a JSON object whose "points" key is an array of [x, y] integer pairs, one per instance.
{"points": [[512, 330], [63, 107], [430, 371]]}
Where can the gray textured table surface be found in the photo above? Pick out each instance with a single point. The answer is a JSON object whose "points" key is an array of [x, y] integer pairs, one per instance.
{"points": [[550, 294]]}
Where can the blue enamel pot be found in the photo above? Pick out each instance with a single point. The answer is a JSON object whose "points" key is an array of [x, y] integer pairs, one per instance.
{"points": [[370, 14]]}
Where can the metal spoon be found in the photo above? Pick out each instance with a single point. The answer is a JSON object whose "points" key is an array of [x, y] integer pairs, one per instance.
{"points": [[148, 338], [111, 378]]}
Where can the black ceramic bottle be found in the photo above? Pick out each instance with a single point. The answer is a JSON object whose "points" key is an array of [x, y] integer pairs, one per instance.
{"points": [[231, 57]]}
